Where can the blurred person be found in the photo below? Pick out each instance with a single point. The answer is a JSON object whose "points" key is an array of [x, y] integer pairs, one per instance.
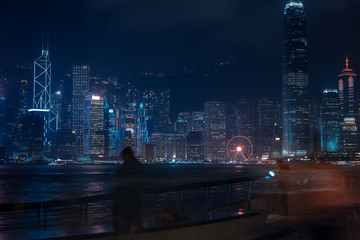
{"points": [[129, 182], [318, 198]]}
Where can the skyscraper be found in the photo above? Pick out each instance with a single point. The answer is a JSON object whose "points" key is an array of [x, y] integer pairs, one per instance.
{"points": [[94, 132], [247, 121], [42, 97], [348, 97], [295, 96], [182, 124], [197, 121], [111, 147], [265, 127], [81, 86], [215, 131], [330, 118]]}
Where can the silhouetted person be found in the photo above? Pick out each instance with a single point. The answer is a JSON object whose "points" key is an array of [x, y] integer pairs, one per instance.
{"points": [[129, 183]]}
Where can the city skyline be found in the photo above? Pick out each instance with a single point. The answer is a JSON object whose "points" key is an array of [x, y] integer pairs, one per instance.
{"points": [[98, 115], [125, 47]]}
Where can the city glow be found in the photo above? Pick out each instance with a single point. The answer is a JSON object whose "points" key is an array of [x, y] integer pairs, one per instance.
{"points": [[96, 98]]}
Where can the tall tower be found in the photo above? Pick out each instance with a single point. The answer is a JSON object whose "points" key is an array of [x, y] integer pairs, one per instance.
{"points": [[81, 87], [94, 130], [348, 96], [330, 119], [295, 95], [215, 131], [42, 96], [133, 127]]}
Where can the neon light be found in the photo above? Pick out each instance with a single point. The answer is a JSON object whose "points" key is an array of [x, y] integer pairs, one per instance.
{"points": [[38, 110], [271, 173], [111, 110], [331, 91], [94, 97], [351, 81], [341, 85]]}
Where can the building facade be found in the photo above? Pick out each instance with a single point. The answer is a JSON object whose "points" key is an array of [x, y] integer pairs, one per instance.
{"points": [[295, 94], [81, 86], [94, 130], [330, 121], [349, 109], [215, 131]]}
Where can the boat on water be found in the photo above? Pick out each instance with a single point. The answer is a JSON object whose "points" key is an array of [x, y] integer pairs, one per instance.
{"points": [[60, 162]]}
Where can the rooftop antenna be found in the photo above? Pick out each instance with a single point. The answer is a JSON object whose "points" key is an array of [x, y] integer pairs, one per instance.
{"points": [[47, 46], [42, 41]]}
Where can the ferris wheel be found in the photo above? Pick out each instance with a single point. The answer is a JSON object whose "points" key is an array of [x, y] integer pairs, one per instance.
{"points": [[239, 149]]}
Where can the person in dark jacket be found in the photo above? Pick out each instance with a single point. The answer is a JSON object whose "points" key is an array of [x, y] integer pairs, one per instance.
{"points": [[128, 183]]}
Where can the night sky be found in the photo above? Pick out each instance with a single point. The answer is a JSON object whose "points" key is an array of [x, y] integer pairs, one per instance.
{"points": [[121, 37]]}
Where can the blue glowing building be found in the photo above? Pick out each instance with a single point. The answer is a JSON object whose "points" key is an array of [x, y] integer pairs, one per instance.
{"points": [[330, 121], [295, 95], [133, 128]]}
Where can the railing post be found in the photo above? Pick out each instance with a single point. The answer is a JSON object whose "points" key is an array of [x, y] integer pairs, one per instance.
{"points": [[86, 213], [80, 212], [39, 218], [228, 195], [268, 186], [249, 193], [44, 218], [206, 199]]}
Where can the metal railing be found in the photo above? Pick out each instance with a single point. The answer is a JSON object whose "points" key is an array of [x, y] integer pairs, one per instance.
{"points": [[96, 209]]}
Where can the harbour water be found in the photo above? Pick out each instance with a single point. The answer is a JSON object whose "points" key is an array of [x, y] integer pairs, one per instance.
{"points": [[29, 183]]}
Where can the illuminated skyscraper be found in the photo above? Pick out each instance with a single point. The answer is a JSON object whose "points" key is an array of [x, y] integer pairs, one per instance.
{"points": [[162, 120], [348, 97], [182, 123], [295, 96], [347, 92], [42, 97], [194, 147], [133, 128], [81, 86], [110, 131], [94, 131], [215, 131], [197, 122], [247, 122], [265, 127], [330, 118]]}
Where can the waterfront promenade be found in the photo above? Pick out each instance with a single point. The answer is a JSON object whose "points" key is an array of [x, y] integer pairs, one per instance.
{"points": [[193, 202]]}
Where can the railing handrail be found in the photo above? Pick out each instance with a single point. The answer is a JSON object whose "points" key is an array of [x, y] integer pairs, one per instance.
{"points": [[109, 196]]}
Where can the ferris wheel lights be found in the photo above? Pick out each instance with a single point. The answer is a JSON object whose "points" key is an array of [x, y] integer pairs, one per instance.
{"points": [[239, 149]]}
